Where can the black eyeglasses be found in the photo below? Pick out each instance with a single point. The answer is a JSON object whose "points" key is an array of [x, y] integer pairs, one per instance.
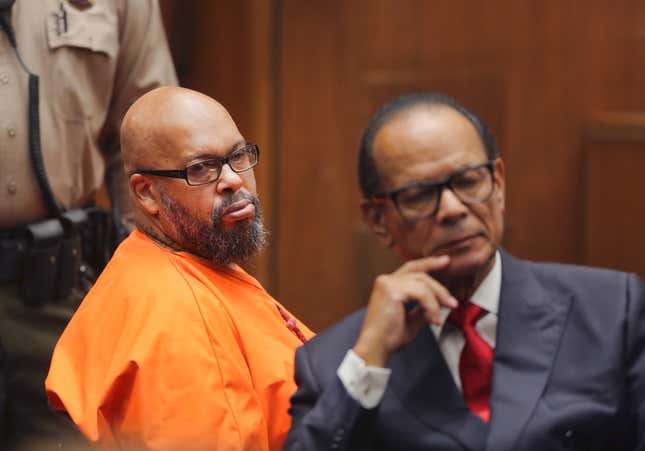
{"points": [[207, 171], [419, 200]]}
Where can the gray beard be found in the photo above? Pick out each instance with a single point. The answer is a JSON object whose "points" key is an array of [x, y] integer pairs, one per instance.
{"points": [[210, 240]]}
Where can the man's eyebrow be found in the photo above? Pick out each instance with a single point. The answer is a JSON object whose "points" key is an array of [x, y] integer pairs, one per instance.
{"points": [[210, 156], [237, 145]]}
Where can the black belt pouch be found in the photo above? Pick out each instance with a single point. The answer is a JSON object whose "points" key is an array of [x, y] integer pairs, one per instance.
{"points": [[41, 261], [70, 252]]}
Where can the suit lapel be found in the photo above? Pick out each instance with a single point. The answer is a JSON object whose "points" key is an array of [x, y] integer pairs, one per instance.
{"points": [[423, 383], [530, 324]]}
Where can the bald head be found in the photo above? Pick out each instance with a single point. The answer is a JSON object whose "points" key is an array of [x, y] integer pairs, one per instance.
{"points": [[156, 124]]}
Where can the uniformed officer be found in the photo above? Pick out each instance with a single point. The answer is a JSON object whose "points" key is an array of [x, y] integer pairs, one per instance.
{"points": [[58, 144]]}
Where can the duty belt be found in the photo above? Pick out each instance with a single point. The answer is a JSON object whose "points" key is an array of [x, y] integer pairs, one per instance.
{"points": [[48, 257]]}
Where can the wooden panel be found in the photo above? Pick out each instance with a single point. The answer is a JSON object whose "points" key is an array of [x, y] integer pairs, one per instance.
{"points": [[318, 196], [614, 205], [303, 78]]}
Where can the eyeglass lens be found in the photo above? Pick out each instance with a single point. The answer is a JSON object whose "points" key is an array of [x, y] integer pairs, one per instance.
{"points": [[471, 186], [209, 170]]}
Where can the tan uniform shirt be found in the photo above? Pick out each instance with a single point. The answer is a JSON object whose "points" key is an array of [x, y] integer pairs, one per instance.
{"points": [[93, 62]]}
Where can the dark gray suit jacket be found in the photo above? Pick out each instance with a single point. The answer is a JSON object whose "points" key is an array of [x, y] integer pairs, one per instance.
{"points": [[569, 373]]}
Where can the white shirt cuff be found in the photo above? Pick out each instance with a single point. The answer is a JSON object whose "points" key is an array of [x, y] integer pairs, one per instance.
{"points": [[366, 384]]}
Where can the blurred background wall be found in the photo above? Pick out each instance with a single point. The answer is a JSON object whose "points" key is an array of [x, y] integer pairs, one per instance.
{"points": [[560, 82]]}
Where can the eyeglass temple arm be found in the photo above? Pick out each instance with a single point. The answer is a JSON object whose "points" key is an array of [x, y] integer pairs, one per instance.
{"points": [[176, 173]]}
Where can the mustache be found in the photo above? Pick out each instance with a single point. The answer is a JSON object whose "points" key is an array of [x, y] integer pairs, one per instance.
{"points": [[231, 200]]}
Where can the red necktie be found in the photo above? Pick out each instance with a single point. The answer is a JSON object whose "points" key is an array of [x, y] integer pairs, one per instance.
{"points": [[476, 361]]}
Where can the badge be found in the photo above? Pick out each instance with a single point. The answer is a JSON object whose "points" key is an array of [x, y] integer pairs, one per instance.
{"points": [[81, 4]]}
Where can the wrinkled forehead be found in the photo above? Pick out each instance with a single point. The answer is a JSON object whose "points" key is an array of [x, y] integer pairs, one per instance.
{"points": [[425, 143]]}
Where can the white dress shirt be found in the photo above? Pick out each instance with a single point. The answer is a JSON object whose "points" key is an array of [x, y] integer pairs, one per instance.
{"points": [[367, 384]]}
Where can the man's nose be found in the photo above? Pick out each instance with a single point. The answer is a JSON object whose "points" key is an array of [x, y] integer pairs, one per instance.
{"points": [[229, 180], [451, 208]]}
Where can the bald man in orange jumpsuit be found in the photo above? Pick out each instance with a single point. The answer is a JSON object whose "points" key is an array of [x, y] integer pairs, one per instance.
{"points": [[176, 347]]}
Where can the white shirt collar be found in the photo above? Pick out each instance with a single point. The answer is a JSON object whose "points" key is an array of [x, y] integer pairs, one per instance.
{"points": [[486, 295]]}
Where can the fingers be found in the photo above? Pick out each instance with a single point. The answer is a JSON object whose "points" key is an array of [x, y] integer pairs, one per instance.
{"points": [[408, 291], [444, 296], [400, 304], [429, 295], [425, 264]]}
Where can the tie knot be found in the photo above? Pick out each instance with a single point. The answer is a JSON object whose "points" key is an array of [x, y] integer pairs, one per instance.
{"points": [[466, 315]]}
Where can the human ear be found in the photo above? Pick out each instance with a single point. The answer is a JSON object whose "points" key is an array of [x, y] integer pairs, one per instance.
{"points": [[145, 193], [374, 217], [500, 183]]}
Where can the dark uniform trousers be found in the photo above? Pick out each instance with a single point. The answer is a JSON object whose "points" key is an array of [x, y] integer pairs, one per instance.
{"points": [[28, 334]]}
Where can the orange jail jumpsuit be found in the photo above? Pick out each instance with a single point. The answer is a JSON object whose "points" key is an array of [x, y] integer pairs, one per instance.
{"points": [[168, 351]]}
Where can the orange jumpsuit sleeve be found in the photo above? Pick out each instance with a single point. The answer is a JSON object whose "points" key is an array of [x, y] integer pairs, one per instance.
{"points": [[162, 372]]}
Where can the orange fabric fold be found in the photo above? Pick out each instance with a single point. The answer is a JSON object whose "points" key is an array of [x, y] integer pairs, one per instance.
{"points": [[169, 352]]}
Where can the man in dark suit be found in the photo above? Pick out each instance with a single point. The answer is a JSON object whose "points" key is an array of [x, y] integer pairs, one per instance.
{"points": [[466, 347]]}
